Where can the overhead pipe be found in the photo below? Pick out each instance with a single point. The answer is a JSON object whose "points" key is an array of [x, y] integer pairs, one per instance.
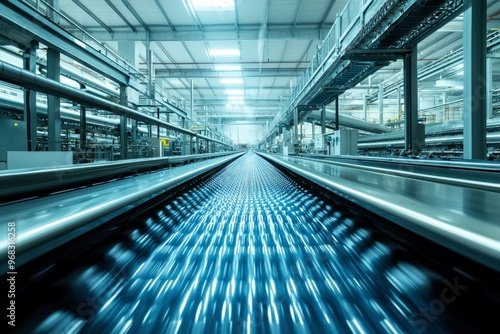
{"points": [[17, 76], [351, 122], [9, 102]]}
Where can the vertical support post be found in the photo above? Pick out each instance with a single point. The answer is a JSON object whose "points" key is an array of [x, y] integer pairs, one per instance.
{"points": [[54, 102], [489, 88], [53, 15], [123, 124], [338, 30], [134, 131], [30, 111], [183, 137], [313, 126], [83, 127], [381, 104], [443, 113], [149, 66], [295, 138], [475, 79], [365, 107], [411, 100], [158, 127], [192, 102], [398, 102], [337, 112], [323, 119], [238, 135]]}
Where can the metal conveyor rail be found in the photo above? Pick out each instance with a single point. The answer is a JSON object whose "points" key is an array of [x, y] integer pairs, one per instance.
{"points": [[252, 250]]}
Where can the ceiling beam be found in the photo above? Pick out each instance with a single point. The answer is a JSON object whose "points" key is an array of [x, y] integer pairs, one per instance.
{"points": [[135, 14], [92, 15], [189, 74], [162, 10], [215, 33], [239, 115], [113, 7]]}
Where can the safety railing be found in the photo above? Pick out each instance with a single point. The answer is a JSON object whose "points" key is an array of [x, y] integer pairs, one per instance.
{"points": [[140, 80], [48, 11], [347, 25]]}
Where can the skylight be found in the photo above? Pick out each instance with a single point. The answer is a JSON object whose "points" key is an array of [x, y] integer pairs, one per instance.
{"points": [[213, 4], [231, 80], [225, 52]]}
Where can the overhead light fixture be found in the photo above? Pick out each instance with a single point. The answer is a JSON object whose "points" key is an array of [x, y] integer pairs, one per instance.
{"points": [[224, 52], [213, 4], [234, 92], [231, 81], [227, 67]]}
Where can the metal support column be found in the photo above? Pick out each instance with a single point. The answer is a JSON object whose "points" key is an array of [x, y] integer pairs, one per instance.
{"points": [[337, 112], [54, 102], [313, 126], [183, 138], [158, 127], [443, 116], [134, 131], [411, 100], [295, 138], [192, 102], [365, 107], [149, 65], [398, 102], [52, 10], [83, 128], [381, 104], [475, 79], [323, 119], [30, 112], [123, 124], [489, 88]]}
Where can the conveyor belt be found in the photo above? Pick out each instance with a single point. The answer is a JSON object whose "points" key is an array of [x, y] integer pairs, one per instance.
{"points": [[251, 250]]}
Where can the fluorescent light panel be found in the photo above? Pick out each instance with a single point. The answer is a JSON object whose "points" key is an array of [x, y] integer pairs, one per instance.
{"points": [[225, 52], [234, 92], [213, 4], [235, 99], [231, 80]]}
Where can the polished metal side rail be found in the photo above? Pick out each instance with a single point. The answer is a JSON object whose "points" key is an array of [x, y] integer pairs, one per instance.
{"points": [[455, 171], [30, 181], [44, 223], [460, 218], [469, 165]]}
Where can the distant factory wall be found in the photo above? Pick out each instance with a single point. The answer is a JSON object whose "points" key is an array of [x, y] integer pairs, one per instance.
{"points": [[244, 133]]}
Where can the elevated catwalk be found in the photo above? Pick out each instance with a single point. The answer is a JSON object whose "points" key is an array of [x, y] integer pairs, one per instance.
{"points": [[251, 249]]}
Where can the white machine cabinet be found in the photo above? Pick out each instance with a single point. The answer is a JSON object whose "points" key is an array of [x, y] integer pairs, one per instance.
{"points": [[344, 141]]}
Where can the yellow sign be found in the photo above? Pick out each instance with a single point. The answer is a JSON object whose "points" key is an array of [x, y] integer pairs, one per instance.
{"points": [[165, 142]]}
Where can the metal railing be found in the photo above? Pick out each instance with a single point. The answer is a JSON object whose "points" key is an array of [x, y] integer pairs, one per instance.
{"points": [[347, 25], [45, 9], [141, 81]]}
